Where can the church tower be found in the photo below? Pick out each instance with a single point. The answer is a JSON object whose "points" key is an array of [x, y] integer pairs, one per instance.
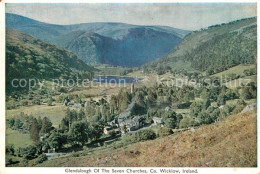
{"points": [[132, 88]]}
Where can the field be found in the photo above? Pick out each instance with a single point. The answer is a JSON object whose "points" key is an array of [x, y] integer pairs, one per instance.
{"points": [[17, 138], [237, 82], [54, 113], [239, 69], [234, 137]]}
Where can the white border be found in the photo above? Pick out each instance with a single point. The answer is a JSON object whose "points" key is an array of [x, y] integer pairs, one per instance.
{"points": [[6, 170]]}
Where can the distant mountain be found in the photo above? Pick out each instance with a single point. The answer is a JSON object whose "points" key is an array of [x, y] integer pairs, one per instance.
{"points": [[213, 49], [110, 43], [28, 57]]}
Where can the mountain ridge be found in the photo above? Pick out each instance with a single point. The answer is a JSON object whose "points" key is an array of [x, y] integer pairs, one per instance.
{"points": [[122, 36]]}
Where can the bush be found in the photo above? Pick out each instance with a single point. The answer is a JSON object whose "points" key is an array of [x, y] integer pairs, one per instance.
{"points": [[41, 159], [165, 132], [28, 153], [187, 122], [24, 102], [142, 135], [49, 103], [9, 161], [36, 101], [9, 149], [75, 154]]}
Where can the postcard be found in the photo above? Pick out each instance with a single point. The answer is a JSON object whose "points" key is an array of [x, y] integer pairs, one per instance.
{"points": [[129, 87]]}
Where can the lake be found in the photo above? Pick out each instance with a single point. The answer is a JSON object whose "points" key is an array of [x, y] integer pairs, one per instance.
{"points": [[116, 79]]}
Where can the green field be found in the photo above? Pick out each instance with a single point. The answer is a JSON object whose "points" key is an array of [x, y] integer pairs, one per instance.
{"points": [[54, 113], [239, 69], [17, 138], [237, 82]]}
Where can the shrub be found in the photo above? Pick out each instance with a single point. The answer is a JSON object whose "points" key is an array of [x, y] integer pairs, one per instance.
{"points": [[187, 122], [165, 132], [28, 153], [24, 102], [36, 101], [41, 159], [9, 161], [75, 154], [9, 149], [142, 135], [49, 103]]}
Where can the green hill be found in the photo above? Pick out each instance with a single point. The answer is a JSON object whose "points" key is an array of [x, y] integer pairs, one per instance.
{"points": [[214, 49], [28, 57]]}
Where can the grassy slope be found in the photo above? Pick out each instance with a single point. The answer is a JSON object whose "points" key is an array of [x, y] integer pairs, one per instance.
{"points": [[231, 142], [239, 69]]}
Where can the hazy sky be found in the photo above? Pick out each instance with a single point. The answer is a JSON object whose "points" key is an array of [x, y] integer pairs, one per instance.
{"points": [[178, 15]]}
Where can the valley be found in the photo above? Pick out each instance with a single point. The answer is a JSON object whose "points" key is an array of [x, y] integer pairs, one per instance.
{"points": [[181, 102]]}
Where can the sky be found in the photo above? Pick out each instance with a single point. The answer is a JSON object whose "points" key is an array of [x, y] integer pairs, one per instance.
{"points": [[192, 16]]}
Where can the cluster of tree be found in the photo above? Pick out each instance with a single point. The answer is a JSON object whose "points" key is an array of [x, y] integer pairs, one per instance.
{"points": [[140, 135], [202, 113], [249, 72], [81, 128], [35, 127], [249, 91], [170, 118], [27, 153]]}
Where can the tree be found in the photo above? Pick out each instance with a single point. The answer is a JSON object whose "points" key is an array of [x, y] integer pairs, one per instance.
{"points": [[81, 114], [34, 131], [187, 122], [206, 104], [165, 132], [78, 133], [10, 122], [189, 96], [179, 118], [170, 119], [221, 100], [96, 131], [245, 93], [18, 124], [195, 108], [64, 124], [28, 153], [46, 126], [145, 134], [204, 118], [57, 140]]}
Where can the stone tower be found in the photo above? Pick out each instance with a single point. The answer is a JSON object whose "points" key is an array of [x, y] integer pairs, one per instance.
{"points": [[132, 88]]}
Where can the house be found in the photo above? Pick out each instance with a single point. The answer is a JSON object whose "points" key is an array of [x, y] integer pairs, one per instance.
{"points": [[157, 121], [167, 108], [133, 124], [221, 107], [76, 105], [109, 129], [44, 136]]}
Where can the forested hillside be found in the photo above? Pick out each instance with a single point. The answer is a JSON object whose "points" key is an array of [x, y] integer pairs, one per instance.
{"points": [[28, 57], [214, 49]]}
